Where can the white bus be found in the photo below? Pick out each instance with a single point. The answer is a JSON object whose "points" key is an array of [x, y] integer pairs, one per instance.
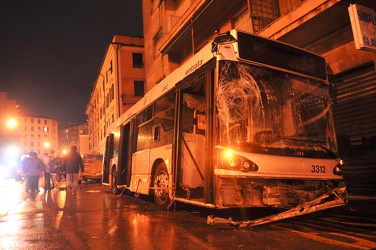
{"points": [[246, 122]]}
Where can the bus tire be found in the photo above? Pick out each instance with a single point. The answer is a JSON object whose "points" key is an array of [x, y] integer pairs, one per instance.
{"points": [[160, 188], [115, 189]]}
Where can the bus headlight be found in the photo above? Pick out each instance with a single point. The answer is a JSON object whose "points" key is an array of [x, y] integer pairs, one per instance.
{"points": [[249, 166], [337, 170], [229, 160]]}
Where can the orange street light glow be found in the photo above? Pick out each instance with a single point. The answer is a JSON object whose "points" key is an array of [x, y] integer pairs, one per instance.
{"points": [[11, 123]]}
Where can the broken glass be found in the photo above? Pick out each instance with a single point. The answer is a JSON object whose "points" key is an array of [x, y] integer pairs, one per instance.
{"points": [[273, 111]]}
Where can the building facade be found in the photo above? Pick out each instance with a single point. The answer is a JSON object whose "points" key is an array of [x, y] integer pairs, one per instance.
{"points": [[120, 84], [38, 134], [71, 135], [27, 133], [174, 30]]}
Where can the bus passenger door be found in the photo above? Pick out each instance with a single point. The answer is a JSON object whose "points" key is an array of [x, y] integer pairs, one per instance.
{"points": [[109, 153], [191, 139], [125, 153]]}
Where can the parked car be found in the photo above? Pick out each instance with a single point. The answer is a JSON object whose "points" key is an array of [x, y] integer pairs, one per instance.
{"points": [[92, 167]]}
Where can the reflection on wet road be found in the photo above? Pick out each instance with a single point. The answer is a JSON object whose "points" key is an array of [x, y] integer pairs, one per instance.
{"points": [[97, 219]]}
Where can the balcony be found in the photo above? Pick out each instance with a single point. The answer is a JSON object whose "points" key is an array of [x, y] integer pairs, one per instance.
{"points": [[300, 23]]}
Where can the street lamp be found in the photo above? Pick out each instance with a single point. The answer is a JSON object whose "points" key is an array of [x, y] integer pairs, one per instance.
{"points": [[46, 146], [12, 123]]}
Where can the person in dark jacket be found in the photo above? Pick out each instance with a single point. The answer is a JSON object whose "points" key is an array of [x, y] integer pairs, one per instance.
{"points": [[55, 164], [72, 164], [32, 168]]}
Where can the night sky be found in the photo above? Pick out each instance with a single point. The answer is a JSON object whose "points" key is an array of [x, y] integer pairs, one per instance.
{"points": [[51, 51]]}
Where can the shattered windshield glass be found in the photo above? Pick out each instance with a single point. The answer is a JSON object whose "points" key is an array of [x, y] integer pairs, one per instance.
{"points": [[269, 111]]}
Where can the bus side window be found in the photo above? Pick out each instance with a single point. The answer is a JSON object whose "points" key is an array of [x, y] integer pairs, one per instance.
{"points": [[156, 133]]}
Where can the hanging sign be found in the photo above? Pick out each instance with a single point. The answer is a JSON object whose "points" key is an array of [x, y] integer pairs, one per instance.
{"points": [[363, 23]]}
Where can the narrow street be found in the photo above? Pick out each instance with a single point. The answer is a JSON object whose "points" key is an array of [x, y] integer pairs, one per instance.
{"points": [[219, 104], [97, 219]]}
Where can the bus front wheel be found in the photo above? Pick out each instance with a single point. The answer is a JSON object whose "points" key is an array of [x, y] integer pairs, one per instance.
{"points": [[160, 186]]}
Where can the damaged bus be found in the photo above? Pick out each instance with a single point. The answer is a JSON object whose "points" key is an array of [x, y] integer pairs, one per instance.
{"points": [[245, 122]]}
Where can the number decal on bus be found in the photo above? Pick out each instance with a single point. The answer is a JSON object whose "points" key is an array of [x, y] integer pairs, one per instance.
{"points": [[318, 169]]}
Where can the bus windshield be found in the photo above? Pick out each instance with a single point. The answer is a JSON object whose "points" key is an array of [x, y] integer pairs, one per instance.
{"points": [[269, 111]]}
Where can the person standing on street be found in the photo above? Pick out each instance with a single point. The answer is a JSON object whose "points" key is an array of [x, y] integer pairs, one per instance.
{"points": [[73, 164], [54, 171], [32, 168], [47, 176]]}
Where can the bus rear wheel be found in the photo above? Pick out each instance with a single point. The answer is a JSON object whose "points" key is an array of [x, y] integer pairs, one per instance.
{"points": [[160, 187]]}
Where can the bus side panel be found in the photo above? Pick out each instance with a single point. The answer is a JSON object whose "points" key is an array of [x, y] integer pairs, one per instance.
{"points": [[140, 172], [164, 153], [140, 184], [140, 162]]}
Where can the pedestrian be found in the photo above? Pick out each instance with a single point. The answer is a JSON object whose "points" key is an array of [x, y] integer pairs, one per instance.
{"points": [[72, 164], [33, 167], [47, 176], [54, 171]]}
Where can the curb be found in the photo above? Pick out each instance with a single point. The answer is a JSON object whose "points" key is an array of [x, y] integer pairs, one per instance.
{"points": [[362, 197]]}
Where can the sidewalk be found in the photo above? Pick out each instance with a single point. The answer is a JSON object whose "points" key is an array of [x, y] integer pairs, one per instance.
{"points": [[362, 197]]}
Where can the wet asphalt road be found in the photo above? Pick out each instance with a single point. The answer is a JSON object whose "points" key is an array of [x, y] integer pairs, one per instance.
{"points": [[97, 219]]}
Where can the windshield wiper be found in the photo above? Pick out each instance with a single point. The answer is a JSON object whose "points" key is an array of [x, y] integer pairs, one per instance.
{"points": [[316, 142]]}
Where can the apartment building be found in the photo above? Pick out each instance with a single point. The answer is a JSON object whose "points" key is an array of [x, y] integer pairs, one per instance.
{"points": [[38, 134], [119, 85], [73, 135], [174, 30], [27, 132]]}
